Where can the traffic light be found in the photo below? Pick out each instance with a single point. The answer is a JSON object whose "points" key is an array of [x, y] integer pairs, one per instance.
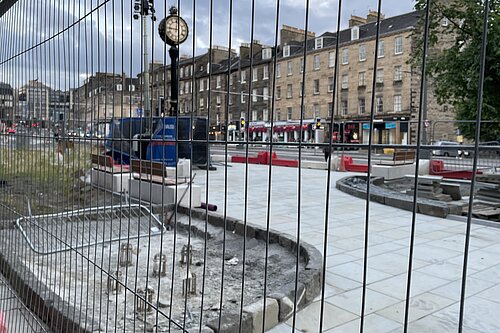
{"points": [[318, 123], [242, 123]]}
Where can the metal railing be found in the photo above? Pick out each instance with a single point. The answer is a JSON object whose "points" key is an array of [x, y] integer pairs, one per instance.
{"points": [[128, 241]]}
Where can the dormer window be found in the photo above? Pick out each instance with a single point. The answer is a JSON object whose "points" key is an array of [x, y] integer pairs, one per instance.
{"points": [[266, 54], [355, 33], [319, 43], [286, 51]]}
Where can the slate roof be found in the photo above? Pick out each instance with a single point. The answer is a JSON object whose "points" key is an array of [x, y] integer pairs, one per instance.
{"points": [[366, 31]]}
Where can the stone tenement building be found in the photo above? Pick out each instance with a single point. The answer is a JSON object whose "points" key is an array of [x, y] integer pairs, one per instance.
{"points": [[227, 87], [104, 96]]}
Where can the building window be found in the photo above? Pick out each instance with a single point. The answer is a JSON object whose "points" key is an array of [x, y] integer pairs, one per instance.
{"points": [[301, 89], [201, 84], [355, 33], [254, 95], [208, 68], [265, 115], [265, 93], [317, 62], [398, 73], [397, 103], [319, 43], [119, 87], [254, 74], [343, 106], [361, 105], [289, 91], [243, 76], [286, 51], [218, 81], [266, 72], [254, 115], [362, 52], [278, 114], [361, 79], [202, 103], [242, 98], [231, 79], [230, 99], [289, 68], [218, 99], [301, 65], [331, 59], [278, 92], [380, 105], [289, 113], [182, 72], [330, 108], [131, 87], [330, 84], [316, 87], [278, 70], [316, 108], [381, 49], [181, 86], [345, 56], [380, 75], [266, 54], [398, 45], [345, 81]]}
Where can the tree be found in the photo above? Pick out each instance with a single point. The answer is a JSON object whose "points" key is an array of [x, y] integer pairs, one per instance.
{"points": [[453, 68]]}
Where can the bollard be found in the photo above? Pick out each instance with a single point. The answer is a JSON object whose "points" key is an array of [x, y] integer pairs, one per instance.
{"points": [[114, 283], [189, 284], [144, 299], [186, 254], [125, 256], [160, 265]]}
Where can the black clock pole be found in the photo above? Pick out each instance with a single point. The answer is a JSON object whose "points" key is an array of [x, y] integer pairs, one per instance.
{"points": [[174, 80]]}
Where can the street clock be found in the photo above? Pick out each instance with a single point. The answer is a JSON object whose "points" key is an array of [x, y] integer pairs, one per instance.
{"points": [[173, 29]]}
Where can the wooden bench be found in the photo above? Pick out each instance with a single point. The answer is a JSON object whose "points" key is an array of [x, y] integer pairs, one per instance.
{"points": [[155, 172], [401, 157], [107, 164]]}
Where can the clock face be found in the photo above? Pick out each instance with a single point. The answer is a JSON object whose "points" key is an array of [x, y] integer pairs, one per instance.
{"points": [[176, 29]]}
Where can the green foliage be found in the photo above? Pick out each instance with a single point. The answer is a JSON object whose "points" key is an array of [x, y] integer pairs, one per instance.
{"points": [[454, 71]]}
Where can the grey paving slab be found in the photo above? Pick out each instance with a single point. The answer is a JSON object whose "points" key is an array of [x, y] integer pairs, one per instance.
{"points": [[438, 252], [350, 301], [373, 323], [420, 306], [308, 319]]}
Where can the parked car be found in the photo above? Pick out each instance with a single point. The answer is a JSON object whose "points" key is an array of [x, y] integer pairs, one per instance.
{"points": [[452, 152]]}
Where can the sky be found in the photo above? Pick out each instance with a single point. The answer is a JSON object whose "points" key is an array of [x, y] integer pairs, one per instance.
{"points": [[63, 43]]}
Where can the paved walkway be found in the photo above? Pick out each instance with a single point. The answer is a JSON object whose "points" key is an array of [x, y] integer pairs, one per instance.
{"points": [[437, 264]]}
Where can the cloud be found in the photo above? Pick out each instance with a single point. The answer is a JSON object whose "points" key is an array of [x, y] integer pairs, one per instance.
{"points": [[110, 39]]}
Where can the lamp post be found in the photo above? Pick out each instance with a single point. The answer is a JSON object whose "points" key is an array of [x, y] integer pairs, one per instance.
{"points": [[143, 8], [173, 31]]}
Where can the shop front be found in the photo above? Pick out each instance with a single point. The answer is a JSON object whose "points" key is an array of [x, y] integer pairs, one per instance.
{"points": [[387, 131]]}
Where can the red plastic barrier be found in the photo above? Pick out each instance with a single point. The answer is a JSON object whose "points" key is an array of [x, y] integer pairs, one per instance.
{"points": [[436, 168], [286, 163], [348, 164], [263, 158]]}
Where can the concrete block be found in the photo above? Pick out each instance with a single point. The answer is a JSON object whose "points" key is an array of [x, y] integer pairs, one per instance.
{"points": [[163, 194], [392, 171], [400, 202], [230, 323], [423, 167], [256, 311], [115, 182], [434, 209], [285, 297], [452, 189]]}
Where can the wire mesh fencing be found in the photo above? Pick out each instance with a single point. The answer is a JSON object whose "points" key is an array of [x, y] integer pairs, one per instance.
{"points": [[247, 166]]}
